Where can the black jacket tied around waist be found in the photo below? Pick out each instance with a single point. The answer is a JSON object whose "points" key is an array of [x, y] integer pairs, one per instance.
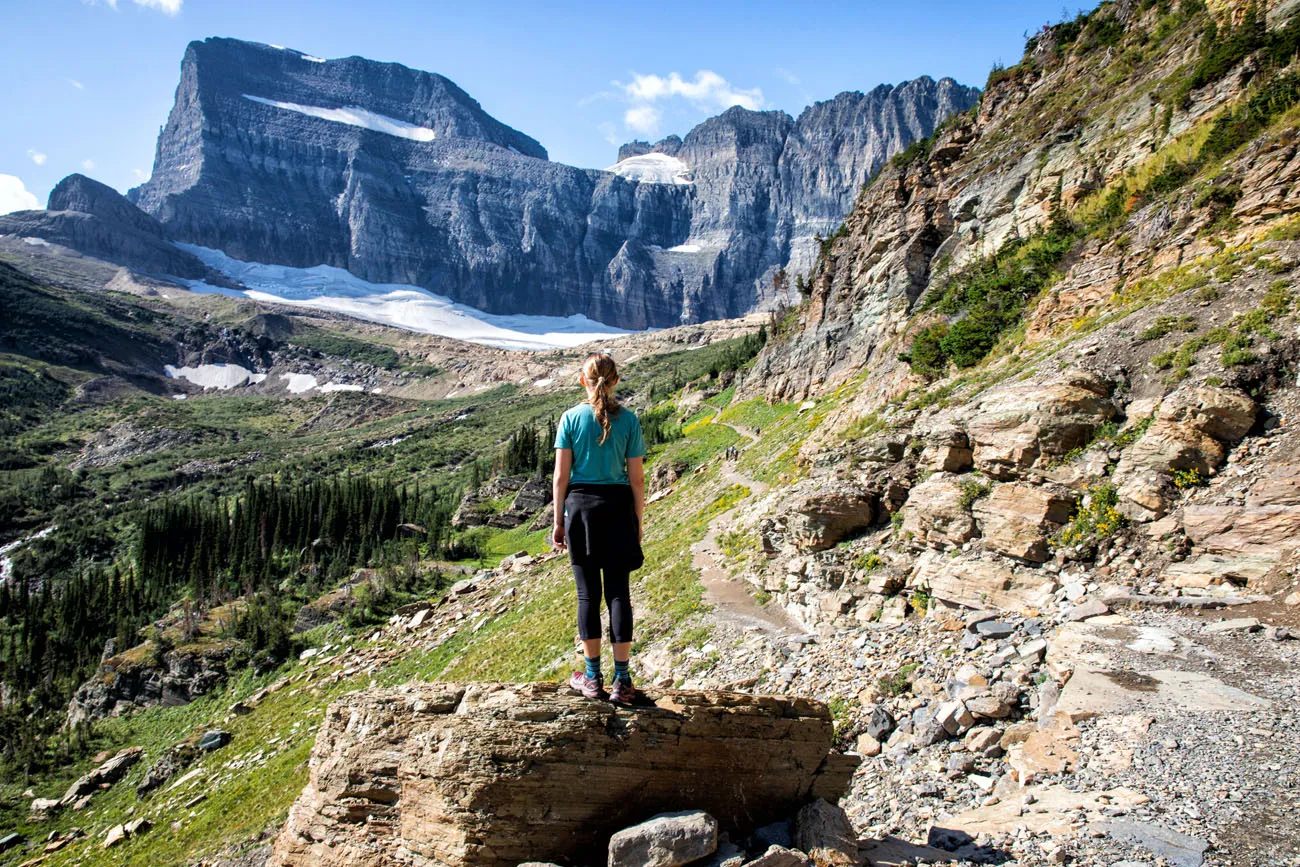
{"points": [[600, 527]]}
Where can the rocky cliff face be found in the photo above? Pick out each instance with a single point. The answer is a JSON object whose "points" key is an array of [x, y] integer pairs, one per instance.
{"points": [[1049, 330], [399, 176], [95, 219]]}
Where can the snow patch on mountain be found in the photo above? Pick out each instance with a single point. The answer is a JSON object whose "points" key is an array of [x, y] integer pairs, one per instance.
{"points": [[653, 169], [327, 288], [353, 115], [219, 376]]}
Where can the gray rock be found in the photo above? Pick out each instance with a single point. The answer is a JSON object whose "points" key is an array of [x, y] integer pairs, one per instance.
{"points": [[1181, 850], [995, 628], [214, 740], [1239, 624], [480, 214], [1091, 608], [8, 841], [974, 619], [666, 840], [881, 725]]}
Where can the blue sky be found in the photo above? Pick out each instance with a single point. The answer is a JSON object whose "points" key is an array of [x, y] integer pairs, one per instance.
{"points": [[88, 83]]}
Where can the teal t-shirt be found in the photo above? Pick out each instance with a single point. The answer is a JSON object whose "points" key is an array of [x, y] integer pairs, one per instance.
{"points": [[594, 463]]}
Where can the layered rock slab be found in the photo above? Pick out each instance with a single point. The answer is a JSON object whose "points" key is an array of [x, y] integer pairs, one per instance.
{"points": [[499, 774]]}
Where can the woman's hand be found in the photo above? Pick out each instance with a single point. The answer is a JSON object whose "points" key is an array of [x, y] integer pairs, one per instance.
{"points": [[557, 538]]}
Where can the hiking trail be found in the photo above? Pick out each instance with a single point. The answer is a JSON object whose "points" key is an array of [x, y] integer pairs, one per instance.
{"points": [[730, 597]]}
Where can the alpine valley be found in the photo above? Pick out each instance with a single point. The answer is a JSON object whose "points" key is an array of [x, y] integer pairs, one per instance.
{"points": [[973, 491]]}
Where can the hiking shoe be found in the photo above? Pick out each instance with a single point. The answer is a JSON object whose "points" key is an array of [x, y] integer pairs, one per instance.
{"points": [[623, 691], [591, 687]]}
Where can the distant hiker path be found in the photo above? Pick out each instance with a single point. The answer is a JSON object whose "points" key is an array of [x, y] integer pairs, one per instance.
{"points": [[729, 595]]}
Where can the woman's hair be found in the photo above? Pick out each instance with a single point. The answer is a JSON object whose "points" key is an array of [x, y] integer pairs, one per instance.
{"points": [[600, 372]]}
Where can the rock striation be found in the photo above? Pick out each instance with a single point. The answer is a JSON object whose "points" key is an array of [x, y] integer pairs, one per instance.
{"points": [[499, 774], [400, 177], [96, 220]]}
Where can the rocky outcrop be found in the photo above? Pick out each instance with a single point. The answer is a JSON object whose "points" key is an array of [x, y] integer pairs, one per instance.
{"points": [[1014, 427], [95, 219], [499, 774], [146, 677], [400, 177], [937, 512], [820, 515], [481, 507], [1017, 519], [1192, 432]]}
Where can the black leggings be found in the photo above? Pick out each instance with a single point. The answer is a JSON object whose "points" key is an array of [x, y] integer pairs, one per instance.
{"points": [[617, 594]]}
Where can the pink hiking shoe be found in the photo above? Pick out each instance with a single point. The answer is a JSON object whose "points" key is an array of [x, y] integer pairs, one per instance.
{"points": [[591, 687], [623, 691]]}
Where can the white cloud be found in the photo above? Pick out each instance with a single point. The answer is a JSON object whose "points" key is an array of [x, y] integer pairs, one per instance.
{"points": [[643, 118], [167, 7], [706, 90], [140, 174], [14, 195], [88, 165], [610, 133], [37, 157]]}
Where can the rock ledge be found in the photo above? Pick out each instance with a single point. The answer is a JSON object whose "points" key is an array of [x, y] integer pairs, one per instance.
{"points": [[498, 774]]}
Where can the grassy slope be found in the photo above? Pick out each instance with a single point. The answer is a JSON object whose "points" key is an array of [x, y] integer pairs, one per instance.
{"points": [[250, 785]]}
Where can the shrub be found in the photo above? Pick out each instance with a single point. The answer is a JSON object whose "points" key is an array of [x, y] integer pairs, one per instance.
{"points": [[899, 682], [972, 490], [868, 561], [1096, 518], [1190, 478], [926, 355]]}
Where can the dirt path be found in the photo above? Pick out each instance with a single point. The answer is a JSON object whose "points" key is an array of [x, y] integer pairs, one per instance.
{"points": [[730, 597]]}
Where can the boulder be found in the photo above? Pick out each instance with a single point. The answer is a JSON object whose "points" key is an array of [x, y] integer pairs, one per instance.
{"points": [[666, 840], [213, 740], [826, 834], [103, 776], [822, 513], [115, 835], [947, 450], [1017, 519], [936, 513], [1016, 425], [1193, 430], [475, 774], [981, 584]]}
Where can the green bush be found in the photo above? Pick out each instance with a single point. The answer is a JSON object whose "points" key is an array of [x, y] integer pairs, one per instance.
{"points": [[988, 298], [972, 490], [1096, 518]]}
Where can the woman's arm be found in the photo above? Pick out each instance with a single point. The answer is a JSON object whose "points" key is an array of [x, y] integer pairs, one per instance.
{"points": [[559, 488], [636, 477]]}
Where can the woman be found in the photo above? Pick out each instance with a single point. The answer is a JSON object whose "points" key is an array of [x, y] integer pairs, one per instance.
{"points": [[599, 490]]}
